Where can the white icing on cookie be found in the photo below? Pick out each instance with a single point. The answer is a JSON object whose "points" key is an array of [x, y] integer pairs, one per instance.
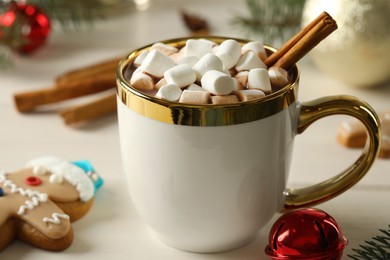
{"points": [[47, 161], [15, 189], [73, 174], [2, 176], [55, 218], [36, 196], [56, 178], [39, 170], [30, 204]]}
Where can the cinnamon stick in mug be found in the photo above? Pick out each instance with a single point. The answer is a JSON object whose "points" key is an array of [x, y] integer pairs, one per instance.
{"points": [[303, 42]]}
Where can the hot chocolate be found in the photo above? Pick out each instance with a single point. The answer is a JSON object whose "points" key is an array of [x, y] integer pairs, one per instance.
{"points": [[204, 72]]}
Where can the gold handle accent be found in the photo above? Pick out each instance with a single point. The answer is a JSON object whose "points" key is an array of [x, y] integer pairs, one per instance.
{"points": [[326, 106]]}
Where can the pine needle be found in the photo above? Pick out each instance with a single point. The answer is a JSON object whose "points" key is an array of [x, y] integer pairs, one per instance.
{"points": [[274, 21], [72, 13], [377, 249], [5, 58]]}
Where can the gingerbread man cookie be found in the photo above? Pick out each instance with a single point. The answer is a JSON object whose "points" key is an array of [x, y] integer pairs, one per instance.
{"points": [[353, 134], [38, 203]]}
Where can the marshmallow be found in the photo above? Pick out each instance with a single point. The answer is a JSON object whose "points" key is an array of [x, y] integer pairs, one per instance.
{"points": [[229, 52], [278, 76], [164, 48], [218, 83], [141, 81], [195, 97], [195, 87], [227, 71], [140, 58], [183, 50], [256, 47], [189, 60], [249, 60], [169, 92], [197, 48], [352, 134], [215, 49], [250, 94], [181, 75], [160, 83], [156, 63], [224, 99], [242, 79], [385, 117], [259, 79], [207, 62], [176, 56], [213, 44], [236, 85]]}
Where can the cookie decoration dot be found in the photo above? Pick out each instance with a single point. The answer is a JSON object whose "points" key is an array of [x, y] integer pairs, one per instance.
{"points": [[33, 181], [306, 234]]}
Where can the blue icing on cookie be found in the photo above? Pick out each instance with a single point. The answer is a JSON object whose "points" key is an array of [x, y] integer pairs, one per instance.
{"points": [[2, 192], [90, 171]]}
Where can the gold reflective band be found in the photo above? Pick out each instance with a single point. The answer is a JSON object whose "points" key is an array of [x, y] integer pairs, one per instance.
{"points": [[201, 115]]}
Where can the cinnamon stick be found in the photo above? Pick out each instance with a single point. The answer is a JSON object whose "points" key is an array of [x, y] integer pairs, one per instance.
{"points": [[106, 67], [303, 42], [89, 111], [28, 101]]}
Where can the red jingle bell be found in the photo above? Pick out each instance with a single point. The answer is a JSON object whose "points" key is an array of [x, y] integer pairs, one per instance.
{"points": [[306, 234]]}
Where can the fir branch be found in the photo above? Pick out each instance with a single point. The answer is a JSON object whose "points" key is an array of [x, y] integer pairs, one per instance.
{"points": [[273, 20], [5, 58], [378, 249], [72, 12]]}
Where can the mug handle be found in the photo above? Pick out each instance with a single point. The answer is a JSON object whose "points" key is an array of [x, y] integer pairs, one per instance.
{"points": [[326, 106]]}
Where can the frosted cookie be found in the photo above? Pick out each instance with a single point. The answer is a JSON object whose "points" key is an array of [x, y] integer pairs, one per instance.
{"points": [[38, 203], [353, 134]]}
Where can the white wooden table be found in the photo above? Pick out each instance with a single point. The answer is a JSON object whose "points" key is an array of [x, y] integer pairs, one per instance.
{"points": [[112, 229]]}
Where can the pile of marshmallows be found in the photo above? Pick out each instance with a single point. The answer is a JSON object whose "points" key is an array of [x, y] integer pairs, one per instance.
{"points": [[203, 72]]}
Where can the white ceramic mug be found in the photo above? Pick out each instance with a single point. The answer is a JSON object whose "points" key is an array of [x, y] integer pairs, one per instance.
{"points": [[206, 178]]}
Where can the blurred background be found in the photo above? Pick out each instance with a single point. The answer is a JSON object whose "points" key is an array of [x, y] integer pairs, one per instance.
{"points": [[357, 53]]}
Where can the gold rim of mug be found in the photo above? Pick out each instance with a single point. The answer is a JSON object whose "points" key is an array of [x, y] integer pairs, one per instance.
{"points": [[203, 115]]}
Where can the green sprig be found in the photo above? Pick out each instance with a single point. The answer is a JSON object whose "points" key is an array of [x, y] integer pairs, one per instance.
{"points": [[72, 12], [377, 249], [274, 21]]}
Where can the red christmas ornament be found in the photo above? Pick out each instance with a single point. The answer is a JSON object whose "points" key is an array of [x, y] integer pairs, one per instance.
{"points": [[24, 27], [306, 234]]}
